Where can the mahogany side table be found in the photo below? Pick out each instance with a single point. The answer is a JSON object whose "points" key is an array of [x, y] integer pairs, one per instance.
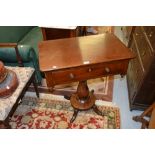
{"points": [[82, 58]]}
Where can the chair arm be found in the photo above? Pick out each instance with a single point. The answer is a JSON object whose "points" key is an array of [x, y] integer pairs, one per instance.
{"points": [[14, 45], [8, 54]]}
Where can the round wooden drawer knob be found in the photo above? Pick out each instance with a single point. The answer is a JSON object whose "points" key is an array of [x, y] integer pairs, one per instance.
{"points": [[89, 70], [71, 75], [107, 69]]}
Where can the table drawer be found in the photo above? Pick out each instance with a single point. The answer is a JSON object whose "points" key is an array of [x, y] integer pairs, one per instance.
{"points": [[88, 72], [143, 49]]}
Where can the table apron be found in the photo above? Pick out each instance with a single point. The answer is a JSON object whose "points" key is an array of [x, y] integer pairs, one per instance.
{"points": [[82, 73]]}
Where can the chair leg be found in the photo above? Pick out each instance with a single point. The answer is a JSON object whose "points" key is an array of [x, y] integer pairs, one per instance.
{"points": [[148, 110], [152, 120], [35, 86], [74, 115], [141, 119]]}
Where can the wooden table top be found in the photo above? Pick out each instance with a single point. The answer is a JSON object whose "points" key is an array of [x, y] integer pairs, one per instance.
{"points": [[79, 51]]}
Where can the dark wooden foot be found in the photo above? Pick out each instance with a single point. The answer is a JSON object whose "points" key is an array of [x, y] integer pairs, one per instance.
{"points": [[97, 111], [74, 115], [122, 75], [67, 97]]}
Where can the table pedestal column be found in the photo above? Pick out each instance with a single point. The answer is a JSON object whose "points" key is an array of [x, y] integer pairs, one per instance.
{"points": [[83, 99]]}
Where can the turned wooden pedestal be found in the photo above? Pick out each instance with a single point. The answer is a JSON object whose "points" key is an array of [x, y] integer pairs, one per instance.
{"points": [[83, 99]]}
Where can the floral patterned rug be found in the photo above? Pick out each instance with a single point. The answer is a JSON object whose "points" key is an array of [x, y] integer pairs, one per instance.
{"points": [[55, 112]]}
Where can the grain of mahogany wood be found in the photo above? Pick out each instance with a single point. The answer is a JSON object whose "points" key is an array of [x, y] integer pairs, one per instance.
{"points": [[79, 50]]}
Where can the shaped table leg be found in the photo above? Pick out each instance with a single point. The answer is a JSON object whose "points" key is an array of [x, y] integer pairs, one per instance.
{"points": [[74, 115], [96, 110]]}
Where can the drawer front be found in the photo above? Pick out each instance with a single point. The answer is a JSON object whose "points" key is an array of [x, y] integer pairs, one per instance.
{"points": [[88, 72], [150, 34], [138, 31], [132, 87], [135, 74], [136, 66], [143, 48], [134, 77]]}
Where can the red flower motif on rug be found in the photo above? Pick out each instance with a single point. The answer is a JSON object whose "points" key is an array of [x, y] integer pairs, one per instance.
{"points": [[36, 113]]}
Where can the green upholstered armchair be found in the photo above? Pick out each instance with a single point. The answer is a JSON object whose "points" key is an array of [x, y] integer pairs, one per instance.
{"points": [[19, 47]]}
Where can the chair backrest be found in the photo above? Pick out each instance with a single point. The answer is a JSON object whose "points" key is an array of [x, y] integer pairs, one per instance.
{"points": [[13, 34]]}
